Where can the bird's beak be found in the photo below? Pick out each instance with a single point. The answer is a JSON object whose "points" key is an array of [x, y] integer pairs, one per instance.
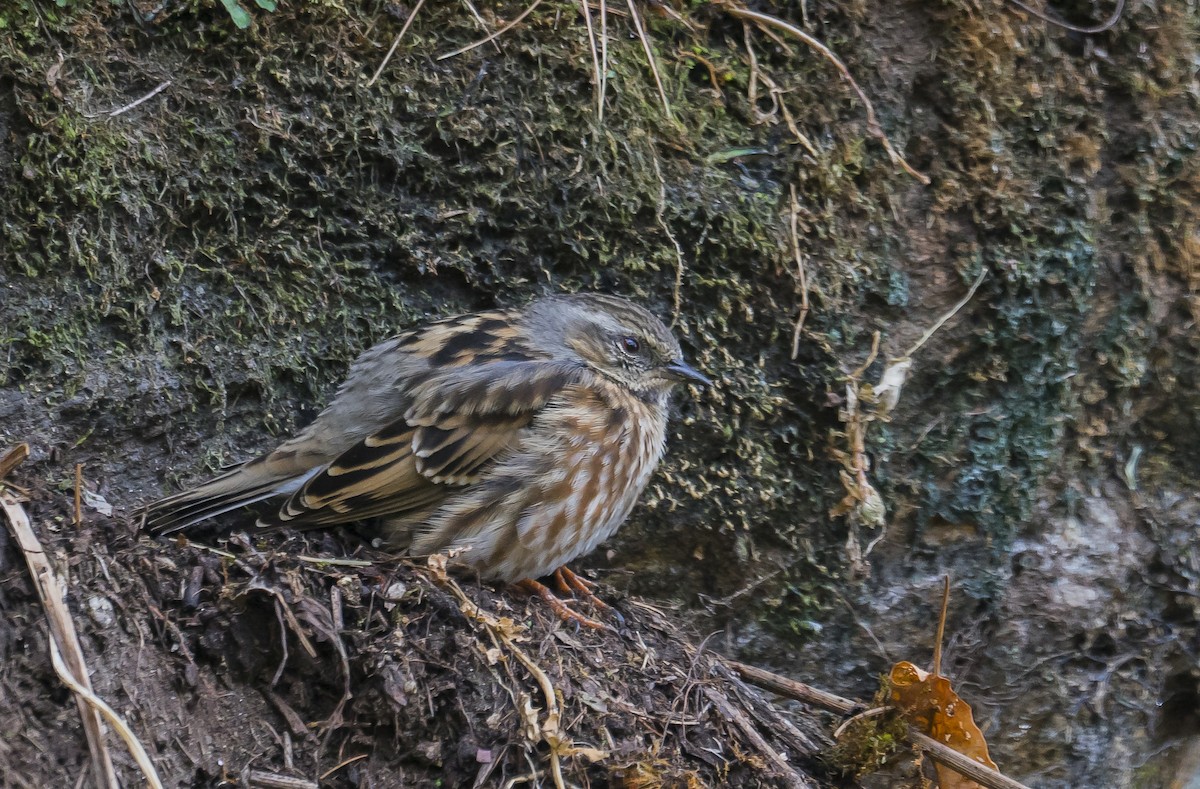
{"points": [[683, 372]]}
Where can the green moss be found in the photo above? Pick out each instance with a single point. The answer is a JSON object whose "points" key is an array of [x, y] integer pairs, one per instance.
{"points": [[243, 234], [234, 241], [870, 743]]}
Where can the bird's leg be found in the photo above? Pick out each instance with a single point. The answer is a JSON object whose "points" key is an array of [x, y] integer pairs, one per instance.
{"points": [[572, 584], [560, 608]]}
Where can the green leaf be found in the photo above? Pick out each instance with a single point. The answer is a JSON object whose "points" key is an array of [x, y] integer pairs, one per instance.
{"points": [[720, 157], [237, 13], [267, 5]]}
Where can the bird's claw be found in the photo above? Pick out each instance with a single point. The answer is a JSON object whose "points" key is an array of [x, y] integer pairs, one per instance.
{"points": [[560, 609]]}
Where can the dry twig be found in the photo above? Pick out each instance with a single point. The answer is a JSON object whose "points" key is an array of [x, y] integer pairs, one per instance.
{"points": [[789, 688], [862, 503], [708, 64], [13, 458], [941, 630], [73, 669], [953, 311], [676, 293], [265, 780], [598, 80], [792, 689], [142, 100], [778, 105]]}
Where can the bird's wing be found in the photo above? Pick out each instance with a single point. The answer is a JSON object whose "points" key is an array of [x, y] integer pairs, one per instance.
{"points": [[362, 420], [458, 422]]}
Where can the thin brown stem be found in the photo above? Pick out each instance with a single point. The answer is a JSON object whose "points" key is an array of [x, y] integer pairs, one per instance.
{"points": [[795, 235], [873, 125], [1100, 28], [78, 494], [941, 631]]}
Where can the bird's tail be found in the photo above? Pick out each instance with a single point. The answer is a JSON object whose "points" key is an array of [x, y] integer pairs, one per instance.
{"points": [[245, 485]]}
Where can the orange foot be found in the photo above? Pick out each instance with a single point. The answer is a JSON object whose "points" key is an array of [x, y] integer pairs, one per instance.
{"points": [[572, 584], [561, 609]]}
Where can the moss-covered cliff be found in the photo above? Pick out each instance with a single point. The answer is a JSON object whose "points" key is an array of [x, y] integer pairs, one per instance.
{"points": [[185, 280]]}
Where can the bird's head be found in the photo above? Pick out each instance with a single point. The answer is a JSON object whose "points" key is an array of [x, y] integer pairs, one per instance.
{"points": [[614, 338]]}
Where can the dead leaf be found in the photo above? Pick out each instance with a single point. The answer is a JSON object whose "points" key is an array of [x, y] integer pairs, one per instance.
{"points": [[928, 702], [529, 719], [591, 754], [887, 391], [437, 565], [96, 502]]}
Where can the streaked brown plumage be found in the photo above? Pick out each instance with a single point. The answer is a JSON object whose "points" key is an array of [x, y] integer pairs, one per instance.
{"points": [[520, 438]]}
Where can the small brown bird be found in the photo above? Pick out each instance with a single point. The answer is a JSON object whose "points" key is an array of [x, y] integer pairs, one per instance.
{"points": [[519, 439]]}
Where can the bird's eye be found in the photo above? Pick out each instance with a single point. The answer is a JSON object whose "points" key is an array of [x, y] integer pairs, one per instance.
{"points": [[630, 345]]}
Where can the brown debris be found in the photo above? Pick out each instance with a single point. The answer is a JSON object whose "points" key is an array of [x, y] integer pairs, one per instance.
{"points": [[247, 660]]}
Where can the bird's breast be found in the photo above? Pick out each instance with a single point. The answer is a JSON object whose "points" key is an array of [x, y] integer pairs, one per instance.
{"points": [[610, 444], [571, 481]]}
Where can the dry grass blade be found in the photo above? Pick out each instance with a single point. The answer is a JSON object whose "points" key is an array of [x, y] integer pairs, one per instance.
{"points": [[872, 120], [343, 763], [395, 43], [62, 636], [493, 36], [603, 55], [645, 39], [136, 750], [332, 561], [479, 21], [598, 79], [874, 712]]}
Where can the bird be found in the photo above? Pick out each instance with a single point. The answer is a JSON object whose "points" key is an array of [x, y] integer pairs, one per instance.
{"points": [[515, 440]]}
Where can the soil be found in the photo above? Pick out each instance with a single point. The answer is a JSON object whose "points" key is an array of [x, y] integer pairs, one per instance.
{"points": [[259, 664]]}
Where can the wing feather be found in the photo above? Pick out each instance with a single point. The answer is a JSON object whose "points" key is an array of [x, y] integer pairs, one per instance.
{"points": [[460, 420]]}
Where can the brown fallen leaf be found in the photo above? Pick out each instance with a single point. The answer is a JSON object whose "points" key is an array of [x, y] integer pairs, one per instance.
{"points": [[928, 702]]}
